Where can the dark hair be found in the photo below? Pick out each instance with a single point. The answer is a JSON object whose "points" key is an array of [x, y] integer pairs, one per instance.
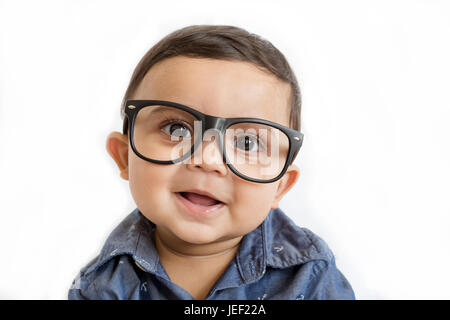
{"points": [[219, 42]]}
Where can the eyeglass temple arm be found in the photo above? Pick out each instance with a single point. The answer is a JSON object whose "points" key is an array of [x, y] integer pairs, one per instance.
{"points": [[125, 125]]}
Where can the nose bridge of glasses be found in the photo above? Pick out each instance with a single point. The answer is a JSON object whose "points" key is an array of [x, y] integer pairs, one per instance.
{"points": [[213, 129], [211, 137], [212, 122]]}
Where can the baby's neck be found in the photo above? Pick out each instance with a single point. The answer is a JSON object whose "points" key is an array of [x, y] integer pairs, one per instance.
{"points": [[196, 274]]}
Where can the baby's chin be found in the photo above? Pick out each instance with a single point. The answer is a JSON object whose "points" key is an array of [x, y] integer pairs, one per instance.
{"points": [[198, 234]]}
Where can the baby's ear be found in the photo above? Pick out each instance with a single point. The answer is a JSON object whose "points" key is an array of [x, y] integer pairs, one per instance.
{"points": [[285, 183], [117, 147]]}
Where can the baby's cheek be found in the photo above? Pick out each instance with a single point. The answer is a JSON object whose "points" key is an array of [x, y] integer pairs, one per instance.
{"points": [[251, 208], [148, 186]]}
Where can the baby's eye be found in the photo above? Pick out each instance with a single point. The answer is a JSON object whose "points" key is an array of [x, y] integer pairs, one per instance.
{"points": [[177, 129], [247, 143]]}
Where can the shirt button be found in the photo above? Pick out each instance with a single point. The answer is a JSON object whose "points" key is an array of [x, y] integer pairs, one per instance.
{"points": [[140, 267]]}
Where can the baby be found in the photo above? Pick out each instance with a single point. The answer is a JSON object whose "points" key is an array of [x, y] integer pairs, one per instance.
{"points": [[211, 130]]}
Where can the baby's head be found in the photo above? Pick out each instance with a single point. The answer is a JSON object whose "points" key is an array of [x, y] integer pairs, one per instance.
{"points": [[220, 71]]}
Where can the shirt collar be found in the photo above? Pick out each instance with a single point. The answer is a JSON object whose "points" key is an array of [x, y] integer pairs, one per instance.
{"points": [[133, 236], [277, 242]]}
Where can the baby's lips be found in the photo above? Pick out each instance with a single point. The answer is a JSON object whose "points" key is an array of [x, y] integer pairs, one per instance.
{"points": [[199, 194], [199, 199]]}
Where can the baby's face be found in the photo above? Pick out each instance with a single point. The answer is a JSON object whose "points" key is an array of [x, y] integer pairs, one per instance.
{"points": [[219, 88]]}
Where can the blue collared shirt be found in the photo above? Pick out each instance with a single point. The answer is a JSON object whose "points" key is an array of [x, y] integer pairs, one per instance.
{"points": [[277, 260]]}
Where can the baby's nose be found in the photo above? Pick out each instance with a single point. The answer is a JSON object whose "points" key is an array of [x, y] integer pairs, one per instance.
{"points": [[208, 155]]}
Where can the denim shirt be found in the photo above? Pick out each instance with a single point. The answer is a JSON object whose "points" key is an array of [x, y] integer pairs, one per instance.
{"points": [[277, 260]]}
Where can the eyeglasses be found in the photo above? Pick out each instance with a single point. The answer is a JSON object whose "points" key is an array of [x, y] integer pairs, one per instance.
{"points": [[166, 132]]}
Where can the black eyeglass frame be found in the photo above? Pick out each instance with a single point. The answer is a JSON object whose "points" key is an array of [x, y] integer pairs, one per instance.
{"points": [[132, 108]]}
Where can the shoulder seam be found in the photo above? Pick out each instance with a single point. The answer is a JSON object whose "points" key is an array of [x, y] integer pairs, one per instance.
{"points": [[326, 256], [308, 235]]}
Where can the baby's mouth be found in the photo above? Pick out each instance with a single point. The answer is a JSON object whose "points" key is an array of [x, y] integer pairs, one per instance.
{"points": [[199, 199]]}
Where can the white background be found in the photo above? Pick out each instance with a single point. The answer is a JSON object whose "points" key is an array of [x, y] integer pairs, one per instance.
{"points": [[375, 180]]}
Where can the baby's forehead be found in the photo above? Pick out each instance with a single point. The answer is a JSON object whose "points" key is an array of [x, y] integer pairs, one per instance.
{"points": [[229, 109], [216, 87]]}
